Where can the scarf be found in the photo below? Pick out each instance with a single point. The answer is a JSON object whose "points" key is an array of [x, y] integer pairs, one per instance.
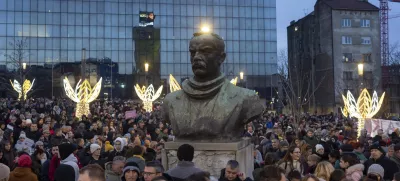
{"points": [[201, 90]]}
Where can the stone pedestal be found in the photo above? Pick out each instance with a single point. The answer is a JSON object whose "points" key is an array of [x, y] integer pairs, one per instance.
{"points": [[212, 157]]}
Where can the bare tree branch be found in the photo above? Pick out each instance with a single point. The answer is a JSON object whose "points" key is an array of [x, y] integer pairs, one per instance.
{"points": [[17, 60]]}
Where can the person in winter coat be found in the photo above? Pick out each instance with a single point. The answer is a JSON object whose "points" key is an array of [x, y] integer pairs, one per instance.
{"points": [[231, 172], [130, 172], [95, 157], [38, 158], [119, 145], [113, 171], [68, 158], [378, 157], [23, 172], [291, 161], [310, 139], [9, 154], [354, 169], [54, 162]]}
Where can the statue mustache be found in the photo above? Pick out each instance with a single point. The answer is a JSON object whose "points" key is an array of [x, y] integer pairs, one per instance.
{"points": [[198, 63]]}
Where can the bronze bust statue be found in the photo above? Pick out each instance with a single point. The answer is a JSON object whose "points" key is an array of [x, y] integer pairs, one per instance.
{"points": [[209, 108]]}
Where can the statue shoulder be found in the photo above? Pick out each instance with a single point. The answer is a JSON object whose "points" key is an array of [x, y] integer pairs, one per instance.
{"points": [[243, 92], [173, 96]]}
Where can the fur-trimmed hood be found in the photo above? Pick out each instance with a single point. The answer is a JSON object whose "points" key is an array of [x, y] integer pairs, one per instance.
{"points": [[355, 168]]}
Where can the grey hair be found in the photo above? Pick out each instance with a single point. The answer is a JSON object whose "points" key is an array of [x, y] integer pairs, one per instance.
{"points": [[233, 164], [119, 159], [157, 165]]}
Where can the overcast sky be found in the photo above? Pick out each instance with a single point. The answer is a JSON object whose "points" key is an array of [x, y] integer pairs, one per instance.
{"points": [[288, 10]]}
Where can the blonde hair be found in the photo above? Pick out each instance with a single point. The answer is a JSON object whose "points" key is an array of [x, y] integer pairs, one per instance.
{"points": [[324, 170]]}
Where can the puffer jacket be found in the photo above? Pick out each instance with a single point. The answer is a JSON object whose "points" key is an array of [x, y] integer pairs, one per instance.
{"points": [[111, 175], [355, 172]]}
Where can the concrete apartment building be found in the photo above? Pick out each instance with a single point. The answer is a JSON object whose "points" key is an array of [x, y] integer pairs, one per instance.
{"points": [[326, 47]]}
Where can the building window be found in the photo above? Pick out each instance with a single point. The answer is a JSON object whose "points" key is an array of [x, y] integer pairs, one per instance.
{"points": [[367, 57], [347, 40], [365, 23], [347, 57], [346, 22], [366, 40], [347, 75]]}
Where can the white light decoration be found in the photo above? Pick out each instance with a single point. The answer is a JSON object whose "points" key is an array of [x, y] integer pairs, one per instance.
{"points": [[365, 107], [83, 94], [26, 87], [148, 96], [205, 29], [173, 84], [234, 81]]}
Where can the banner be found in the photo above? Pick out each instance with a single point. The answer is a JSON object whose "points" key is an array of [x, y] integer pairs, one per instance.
{"points": [[130, 114], [388, 126]]}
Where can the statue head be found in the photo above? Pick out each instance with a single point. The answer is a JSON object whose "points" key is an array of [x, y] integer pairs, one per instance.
{"points": [[207, 53]]}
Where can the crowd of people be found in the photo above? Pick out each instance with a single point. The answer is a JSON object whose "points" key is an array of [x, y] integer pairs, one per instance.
{"points": [[42, 140]]}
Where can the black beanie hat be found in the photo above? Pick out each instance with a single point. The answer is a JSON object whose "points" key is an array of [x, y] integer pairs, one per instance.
{"points": [[346, 148], [377, 147], [65, 150]]}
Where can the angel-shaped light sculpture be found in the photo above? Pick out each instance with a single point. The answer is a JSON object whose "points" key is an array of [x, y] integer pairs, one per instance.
{"points": [[365, 107], [148, 95], [234, 81], [83, 94], [174, 85], [24, 89]]}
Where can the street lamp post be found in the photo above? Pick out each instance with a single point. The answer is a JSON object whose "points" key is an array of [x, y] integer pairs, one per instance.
{"points": [[146, 69], [360, 69], [205, 29]]}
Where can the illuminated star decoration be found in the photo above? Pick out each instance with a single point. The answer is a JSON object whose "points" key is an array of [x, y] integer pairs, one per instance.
{"points": [[26, 87], [148, 96], [174, 85], [365, 107], [83, 94]]}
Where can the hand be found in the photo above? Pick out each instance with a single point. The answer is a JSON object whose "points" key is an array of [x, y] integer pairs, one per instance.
{"points": [[242, 176]]}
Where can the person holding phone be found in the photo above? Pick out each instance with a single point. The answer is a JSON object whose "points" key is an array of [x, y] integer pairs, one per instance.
{"points": [[232, 172]]}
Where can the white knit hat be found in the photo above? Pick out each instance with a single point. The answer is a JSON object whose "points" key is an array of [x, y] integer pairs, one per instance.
{"points": [[318, 147], [4, 171], [94, 147]]}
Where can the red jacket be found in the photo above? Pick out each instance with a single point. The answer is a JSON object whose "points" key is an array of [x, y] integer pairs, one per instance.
{"points": [[54, 163]]}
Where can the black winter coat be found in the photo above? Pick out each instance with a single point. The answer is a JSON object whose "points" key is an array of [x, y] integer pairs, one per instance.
{"points": [[389, 166]]}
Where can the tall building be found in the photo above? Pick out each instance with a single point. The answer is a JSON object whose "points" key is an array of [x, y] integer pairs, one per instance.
{"points": [[134, 32], [336, 48]]}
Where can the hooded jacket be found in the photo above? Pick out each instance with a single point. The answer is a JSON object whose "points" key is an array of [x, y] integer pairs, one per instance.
{"points": [[111, 175], [72, 161], [116, 152], [22, 174], [355, 172]]}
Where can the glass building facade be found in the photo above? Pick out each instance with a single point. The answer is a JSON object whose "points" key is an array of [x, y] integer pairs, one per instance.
{"points": [[57, 30]]}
